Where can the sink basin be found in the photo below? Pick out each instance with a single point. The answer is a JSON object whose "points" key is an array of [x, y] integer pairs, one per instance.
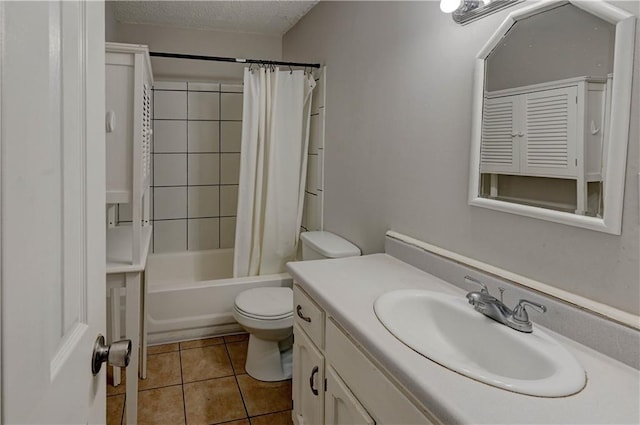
{"points": [[447, 330]]}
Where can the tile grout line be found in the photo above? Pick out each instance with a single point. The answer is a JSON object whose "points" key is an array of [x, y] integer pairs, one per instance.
{"points": [[184, 399], [124, 408], [246, 411], [270, 413]]}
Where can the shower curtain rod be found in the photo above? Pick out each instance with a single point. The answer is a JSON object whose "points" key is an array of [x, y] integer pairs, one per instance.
{"points": [[236, 60]]}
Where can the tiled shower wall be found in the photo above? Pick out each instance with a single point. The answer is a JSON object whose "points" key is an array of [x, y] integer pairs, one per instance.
{"points": [[313, 201], [197, 131], [196, 158]]}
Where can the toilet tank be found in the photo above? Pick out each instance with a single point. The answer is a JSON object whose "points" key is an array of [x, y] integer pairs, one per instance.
{"points": [[321, 245]]}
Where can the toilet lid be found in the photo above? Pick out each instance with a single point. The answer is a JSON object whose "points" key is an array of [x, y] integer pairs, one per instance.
{"points": [[272, 303]]}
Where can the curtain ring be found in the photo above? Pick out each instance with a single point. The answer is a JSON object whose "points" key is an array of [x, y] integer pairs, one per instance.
{"points": [[290, 70]]}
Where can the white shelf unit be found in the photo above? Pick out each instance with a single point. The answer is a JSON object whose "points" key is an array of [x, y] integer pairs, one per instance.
{"points": [[128, 142], [128, 167], [556, 129]]}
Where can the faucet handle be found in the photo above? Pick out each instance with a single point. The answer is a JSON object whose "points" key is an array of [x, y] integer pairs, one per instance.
{"points": [[520, 314], [469, 279]]}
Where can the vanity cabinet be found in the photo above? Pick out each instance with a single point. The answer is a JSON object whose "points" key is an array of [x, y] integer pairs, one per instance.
{"points": [[335, 382], [554, 130]]}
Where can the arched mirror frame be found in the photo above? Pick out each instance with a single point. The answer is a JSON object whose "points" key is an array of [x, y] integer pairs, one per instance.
{"points": [[615, 157]]}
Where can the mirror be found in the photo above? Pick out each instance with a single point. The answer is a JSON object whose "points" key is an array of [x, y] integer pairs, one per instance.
{"points": [[551, 114]]}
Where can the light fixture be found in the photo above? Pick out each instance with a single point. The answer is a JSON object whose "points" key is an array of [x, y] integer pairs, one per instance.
{"points": [[465, 11], [448, 6]]}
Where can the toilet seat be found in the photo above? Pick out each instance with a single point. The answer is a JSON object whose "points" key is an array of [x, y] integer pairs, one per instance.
{"points": [[265, 303], [259, 317]]}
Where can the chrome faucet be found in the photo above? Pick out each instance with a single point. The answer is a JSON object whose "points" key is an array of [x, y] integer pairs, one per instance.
{"points": [[494, 308]]}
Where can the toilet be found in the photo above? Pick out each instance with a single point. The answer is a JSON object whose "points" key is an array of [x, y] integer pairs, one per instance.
{"points": [[267, 313]]}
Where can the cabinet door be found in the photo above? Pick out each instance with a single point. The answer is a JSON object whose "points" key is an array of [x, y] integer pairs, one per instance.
{"points": [[308, 381], [341, 406], [550, 136], [500, 152]]}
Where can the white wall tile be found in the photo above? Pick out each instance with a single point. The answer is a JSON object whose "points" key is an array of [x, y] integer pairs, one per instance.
{"points": [[230, 136], [204, 106], [203, 86], [203, 168], [314, 139], [312, 173], [321, 128], [318, 98], [203, 234], [204, 201], [170, 169], [151, 203], [313, 213], [170, 105], [169, 136], [230, 164], [228, 200], [305, 207], [169, 236], [169, 202], [231, 108], [151, 171], [204, 136], [321, 171], [234, 88], [169, 85], [227, 232]]}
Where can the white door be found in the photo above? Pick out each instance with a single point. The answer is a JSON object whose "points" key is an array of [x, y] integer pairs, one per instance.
{"points": [[52, 210], [342, 407], [308, 381]]}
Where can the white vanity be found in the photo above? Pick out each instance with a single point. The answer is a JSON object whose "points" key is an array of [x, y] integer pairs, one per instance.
{"points": [[325, 358], [348, 368]]}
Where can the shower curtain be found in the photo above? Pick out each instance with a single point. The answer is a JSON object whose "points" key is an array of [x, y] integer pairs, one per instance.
{"points": [[273, 169]]}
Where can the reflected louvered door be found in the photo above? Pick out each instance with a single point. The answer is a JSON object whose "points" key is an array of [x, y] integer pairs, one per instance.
{"points": [[500, 152], [548, 140]]}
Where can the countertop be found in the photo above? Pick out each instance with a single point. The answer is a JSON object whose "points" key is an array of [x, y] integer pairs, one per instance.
{"points": [[347, 288]]}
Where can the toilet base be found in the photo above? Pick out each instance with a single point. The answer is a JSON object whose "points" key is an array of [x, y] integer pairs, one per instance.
{"points": [[265, 361]]}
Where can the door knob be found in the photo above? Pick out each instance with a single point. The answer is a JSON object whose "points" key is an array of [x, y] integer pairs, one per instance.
{"points": [[117, 354]]}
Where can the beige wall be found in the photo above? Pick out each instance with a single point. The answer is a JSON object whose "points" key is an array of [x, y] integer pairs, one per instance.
{"points": [[197, 42], [398, 128]]}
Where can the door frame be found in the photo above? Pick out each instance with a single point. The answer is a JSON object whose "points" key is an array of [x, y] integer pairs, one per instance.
{"points": [[1, 221]]}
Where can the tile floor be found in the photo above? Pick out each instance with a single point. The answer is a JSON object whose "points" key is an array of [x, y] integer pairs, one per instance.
{"points": [[202, 382]]}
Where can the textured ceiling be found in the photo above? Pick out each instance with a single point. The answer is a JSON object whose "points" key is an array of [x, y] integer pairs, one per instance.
{"points": [[263, 17]]}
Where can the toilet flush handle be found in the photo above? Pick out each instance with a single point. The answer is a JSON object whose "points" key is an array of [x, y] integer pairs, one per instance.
{"points": [[302, 316]]}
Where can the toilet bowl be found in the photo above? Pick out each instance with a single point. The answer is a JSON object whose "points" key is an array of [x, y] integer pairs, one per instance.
{"points": [[267, 313]]}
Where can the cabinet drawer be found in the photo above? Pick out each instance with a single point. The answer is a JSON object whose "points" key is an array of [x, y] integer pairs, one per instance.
{"points": [[308, 316], [364, 379]]}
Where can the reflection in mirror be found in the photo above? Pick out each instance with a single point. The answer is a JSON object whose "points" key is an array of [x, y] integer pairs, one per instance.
{"points": [[546, 106], [551, 114]]}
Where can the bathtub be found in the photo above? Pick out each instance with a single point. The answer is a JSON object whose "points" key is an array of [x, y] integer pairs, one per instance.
{"points": [[191, 294]]}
